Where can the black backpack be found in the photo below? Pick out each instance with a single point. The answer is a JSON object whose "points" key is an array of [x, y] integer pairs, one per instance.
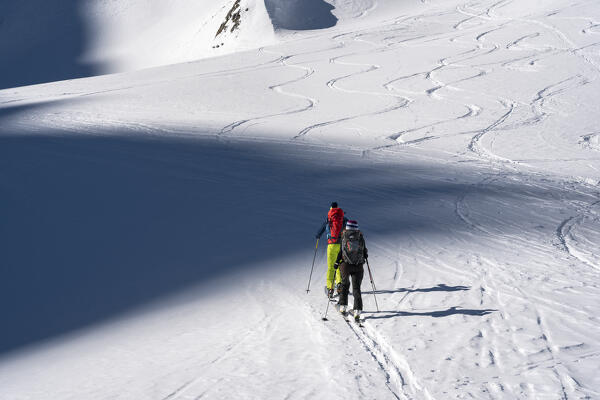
{"points": [[353, 247]]}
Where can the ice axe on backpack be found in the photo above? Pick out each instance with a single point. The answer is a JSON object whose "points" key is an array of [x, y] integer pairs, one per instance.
{"points": [[372, 284], [313, 266]]}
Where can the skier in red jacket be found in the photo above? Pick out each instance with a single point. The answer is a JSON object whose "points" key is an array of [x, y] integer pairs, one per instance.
{"points": [[335, 225]]}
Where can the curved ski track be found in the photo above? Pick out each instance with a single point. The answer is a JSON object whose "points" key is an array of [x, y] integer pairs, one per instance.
{"points": [[401, 101], [474, 110], [279, 89], [565, 237], [475, 145]]}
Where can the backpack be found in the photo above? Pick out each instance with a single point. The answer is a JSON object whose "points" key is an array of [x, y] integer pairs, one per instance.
{"points": [[335, 216], [353, 247]]}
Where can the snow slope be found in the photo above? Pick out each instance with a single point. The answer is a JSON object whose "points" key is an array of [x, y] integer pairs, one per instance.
{"points": [[70, 39], [158, 224], [139, 34]]}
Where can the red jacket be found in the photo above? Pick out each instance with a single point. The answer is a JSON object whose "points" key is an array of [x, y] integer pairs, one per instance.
{"points": [[335, 221]]}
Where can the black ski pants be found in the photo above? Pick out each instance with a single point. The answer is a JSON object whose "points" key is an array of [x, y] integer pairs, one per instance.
{"points": [[354, 272]]}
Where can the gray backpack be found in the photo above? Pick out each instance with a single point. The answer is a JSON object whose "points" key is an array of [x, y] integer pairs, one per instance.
{"points": [[353, 247]]}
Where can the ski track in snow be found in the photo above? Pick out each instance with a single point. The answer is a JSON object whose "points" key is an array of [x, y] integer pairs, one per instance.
{"points": [[475, 144], [474, 110], [400, 379], [566, 381], [396, 368], [401, 101], [378, 350], [283, 60], [564, 233], [536, 105]]}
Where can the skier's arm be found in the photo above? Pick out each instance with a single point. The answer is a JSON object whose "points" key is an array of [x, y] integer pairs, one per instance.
{"points": [[321, 230]]}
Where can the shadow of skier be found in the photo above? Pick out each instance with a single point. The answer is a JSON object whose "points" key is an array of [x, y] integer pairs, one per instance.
{"points": [[435, 314], [439, 288]]}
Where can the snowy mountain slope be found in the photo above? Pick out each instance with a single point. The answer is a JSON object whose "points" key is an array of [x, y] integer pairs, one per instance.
{"points": [[460, 135], [70, 39], [140, 35]]}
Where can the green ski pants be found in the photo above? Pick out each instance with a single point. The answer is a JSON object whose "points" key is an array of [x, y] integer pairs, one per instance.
{"points": [[332, 254]]}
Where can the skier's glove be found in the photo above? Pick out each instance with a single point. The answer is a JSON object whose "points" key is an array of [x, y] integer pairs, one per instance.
{"points": [[336, 266]]}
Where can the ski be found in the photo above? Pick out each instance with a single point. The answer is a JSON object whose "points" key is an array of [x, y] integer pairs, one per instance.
{"points": [[349, 318], [358, 322]]}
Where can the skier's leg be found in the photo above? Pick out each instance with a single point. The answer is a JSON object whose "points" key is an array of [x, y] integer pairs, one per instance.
{"points": [[332, 253], [338, 278], [343, 301], [357, 277]]}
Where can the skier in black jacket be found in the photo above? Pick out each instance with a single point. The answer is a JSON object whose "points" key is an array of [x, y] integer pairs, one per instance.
{"points": [[350, 260]]}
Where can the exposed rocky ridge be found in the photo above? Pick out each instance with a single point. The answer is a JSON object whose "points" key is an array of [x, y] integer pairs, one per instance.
{"points": [[233, 17]]}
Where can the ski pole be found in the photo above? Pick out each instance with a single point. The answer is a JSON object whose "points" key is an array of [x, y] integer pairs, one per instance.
{"points": [[372, 284], [313, 266], [328, 298]]}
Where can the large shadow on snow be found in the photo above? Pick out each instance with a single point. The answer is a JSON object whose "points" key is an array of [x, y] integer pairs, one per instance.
{"points": [[300, 14], [41, 41], [96, 224]]}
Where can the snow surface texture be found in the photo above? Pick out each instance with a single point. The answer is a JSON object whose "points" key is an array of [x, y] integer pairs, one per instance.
{"points": [[157, 225]]}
